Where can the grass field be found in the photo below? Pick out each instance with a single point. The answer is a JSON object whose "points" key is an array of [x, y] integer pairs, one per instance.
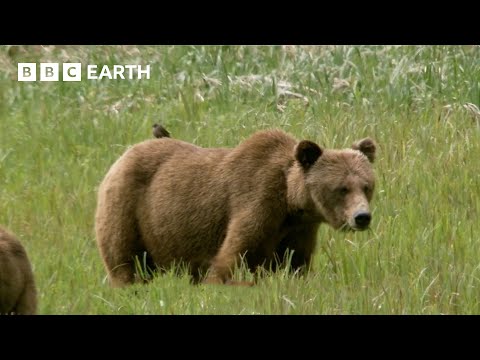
{"points": [[420, 103]]}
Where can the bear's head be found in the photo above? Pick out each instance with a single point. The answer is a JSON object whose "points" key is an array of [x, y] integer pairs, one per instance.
{"points": [[338, 184]]}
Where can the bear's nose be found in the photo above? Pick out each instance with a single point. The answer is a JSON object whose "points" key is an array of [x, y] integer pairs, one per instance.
{"points": [[362, 219]]}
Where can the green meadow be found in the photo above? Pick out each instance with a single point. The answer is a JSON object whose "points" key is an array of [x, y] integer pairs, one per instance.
{"points": [[419, 103]]}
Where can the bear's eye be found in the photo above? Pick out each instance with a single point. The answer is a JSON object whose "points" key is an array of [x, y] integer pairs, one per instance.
{"points": [[343, 190], [366, 189]]}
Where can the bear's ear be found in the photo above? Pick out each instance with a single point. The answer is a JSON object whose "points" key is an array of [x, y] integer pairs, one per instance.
{"points": [[307, 152], [367, 147]]}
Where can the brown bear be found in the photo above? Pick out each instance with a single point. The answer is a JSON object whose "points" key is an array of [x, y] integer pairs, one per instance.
{"points": [[168, 201], [18, 293]]}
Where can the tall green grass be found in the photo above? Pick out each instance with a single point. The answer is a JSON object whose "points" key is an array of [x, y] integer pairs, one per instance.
{"points": [[420, 103]]}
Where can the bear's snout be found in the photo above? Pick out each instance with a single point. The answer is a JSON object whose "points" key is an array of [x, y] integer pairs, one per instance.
{"points": [[362, 219]]}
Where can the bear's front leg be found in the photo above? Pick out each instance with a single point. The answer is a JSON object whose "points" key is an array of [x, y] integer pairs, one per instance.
{"points": [[300, 240], [249, 230]]}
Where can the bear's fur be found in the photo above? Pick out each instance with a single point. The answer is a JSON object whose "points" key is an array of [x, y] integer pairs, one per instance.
{"points": [[18, 294], [207, 207]]}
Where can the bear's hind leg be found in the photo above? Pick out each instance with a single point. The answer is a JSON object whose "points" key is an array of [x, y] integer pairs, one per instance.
{"points": [[117, 238]]}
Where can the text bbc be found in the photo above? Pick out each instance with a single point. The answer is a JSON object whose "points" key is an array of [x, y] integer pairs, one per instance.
{"points": [[73, 72]]}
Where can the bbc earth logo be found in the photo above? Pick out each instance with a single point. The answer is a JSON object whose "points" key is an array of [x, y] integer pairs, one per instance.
{"points": [[73, 72]]}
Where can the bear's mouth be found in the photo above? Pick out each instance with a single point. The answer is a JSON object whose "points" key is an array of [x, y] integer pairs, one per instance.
{"points": [[363, 228], [346, 227]]}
